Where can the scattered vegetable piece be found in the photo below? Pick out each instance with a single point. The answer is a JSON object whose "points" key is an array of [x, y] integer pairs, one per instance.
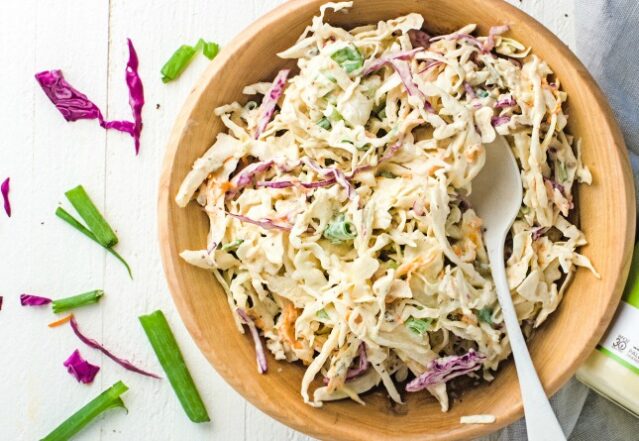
{"points": [[444, 369], [361, 367], [60, 322], [163, 341], [4, 188], [340, 230], [82, 370], [486, 315], [259, 349], [349, 58], [87, 210], [267, 108], [322, 314], [67, 303], [136, 94], [68, 218], [1, 299], [95, 345], [232, 246], [182, 57], [74, 105], [324, 123], [497, 121], [418, 326], [108, 399], [32, 300]]}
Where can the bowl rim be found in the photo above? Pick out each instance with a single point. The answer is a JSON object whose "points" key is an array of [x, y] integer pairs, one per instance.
{"points": [[165, 200]]}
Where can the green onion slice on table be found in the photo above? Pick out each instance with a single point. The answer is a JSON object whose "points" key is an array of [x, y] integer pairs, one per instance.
{"points": [[182, 57], [67, 303], [108, 399], [97, 228], [168, 352]]}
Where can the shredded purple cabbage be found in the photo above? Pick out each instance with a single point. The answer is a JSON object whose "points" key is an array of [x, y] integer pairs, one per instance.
{"points": [[136, 94], [362, 365], [4, 189], [445, 369], [469, 91], [538, 232], [430, 64], [82, 370], [504, 103], [275, 184], [497, 121], [267, 109], [259, 349], [74, 105], [267, 224], [31, 300], [337, 176], [95, 345], [378, 63], [391, 151], [494, 31], [247, 176], [419, 38]]}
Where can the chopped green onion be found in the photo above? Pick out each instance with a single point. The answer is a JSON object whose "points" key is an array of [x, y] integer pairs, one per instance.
{"points": [[392, 264], [168, 352], [340, 230], [251, 105], [335, 116], [232, 246], [364, 147], [485, 315], [418, 326], [209, 49], [65, 216], [482, 93], [562, 173], [67, 303], [96, 223], [387, 174], [322, 314], [324, 123], [181, 58], [349, 58], [108, 399]]}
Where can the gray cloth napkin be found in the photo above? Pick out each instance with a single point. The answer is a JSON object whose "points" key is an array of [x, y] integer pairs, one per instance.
{"points": [[607, 34]]}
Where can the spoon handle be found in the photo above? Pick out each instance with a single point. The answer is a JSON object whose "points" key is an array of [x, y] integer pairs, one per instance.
{"points": [[541, 421]]}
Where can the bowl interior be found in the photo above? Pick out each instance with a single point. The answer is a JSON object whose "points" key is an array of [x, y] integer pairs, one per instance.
{"points": [[606, 212]]}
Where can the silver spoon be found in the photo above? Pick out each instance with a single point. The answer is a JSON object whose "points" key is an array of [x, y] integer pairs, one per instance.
{"points": [[496, 197]]}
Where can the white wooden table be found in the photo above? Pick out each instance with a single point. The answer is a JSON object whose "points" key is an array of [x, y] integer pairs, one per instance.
{"points": [[40, 254]]}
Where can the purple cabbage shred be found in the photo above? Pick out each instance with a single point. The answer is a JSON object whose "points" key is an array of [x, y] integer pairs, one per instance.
{"points": [[445, 369], [259, 348], [95, 345], [267, 108], [74, 105], [4, 188], [31, 300], [82, 370]]}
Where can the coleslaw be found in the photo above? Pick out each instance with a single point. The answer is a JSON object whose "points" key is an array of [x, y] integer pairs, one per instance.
{"points": [[339, 222]]}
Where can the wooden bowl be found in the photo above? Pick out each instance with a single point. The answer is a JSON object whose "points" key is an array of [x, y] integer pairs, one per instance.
{"points": [[607, 212]]}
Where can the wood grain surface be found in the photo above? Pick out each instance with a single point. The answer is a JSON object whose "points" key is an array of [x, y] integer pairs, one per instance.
{"points": [[46, 156]]}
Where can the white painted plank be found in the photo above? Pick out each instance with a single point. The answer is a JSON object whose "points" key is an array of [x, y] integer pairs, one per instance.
{"points": [[45, 156]]}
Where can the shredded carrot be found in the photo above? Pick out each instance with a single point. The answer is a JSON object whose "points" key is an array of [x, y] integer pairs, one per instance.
{"points": [[226, 186], [288, 326], [62, 321]]}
